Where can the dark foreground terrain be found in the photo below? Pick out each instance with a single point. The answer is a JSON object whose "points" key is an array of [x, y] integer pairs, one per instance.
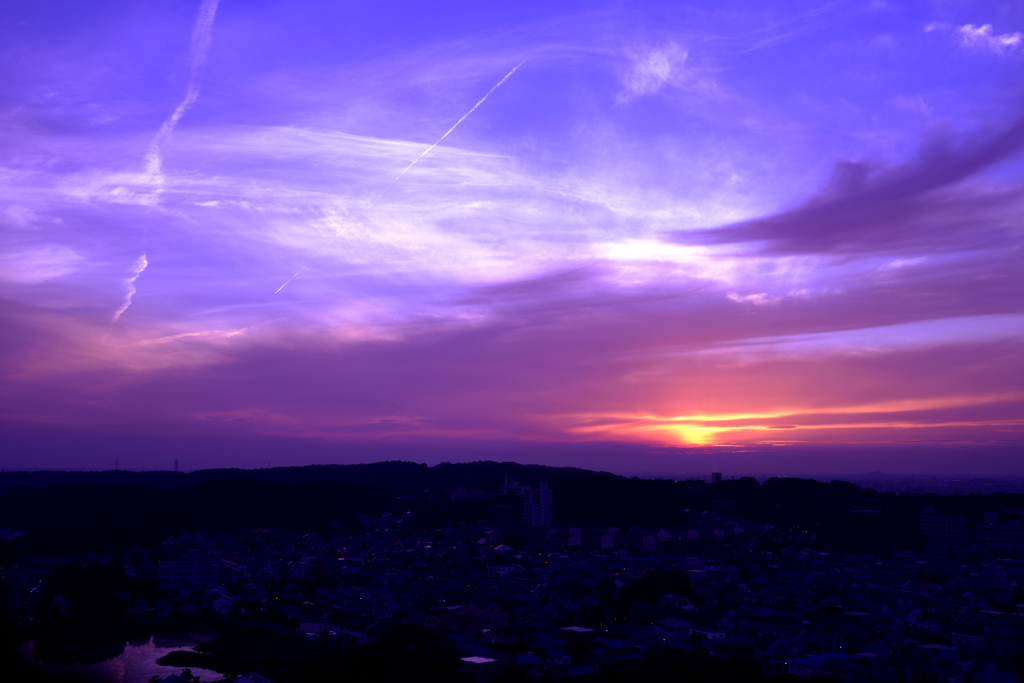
{"points": [[398, 571]]}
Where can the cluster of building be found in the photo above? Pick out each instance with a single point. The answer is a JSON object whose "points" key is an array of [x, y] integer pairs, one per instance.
{"points": [[1004, 531], [525, 593]]}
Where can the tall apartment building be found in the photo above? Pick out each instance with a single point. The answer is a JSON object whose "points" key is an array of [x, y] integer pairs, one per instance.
{"points": [[943, 530], [188, 570], [538, 502], [1009, 535]]}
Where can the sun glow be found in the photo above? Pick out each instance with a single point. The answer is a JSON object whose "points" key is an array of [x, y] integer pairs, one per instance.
{"points": [[712, 429]]}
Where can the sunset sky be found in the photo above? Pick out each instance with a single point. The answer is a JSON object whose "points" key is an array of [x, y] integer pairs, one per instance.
{"points": [[700, 227]]}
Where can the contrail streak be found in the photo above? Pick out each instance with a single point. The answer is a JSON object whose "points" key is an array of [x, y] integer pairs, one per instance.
{"points": [[440, 139], [136, 270], [202, 34], [406, 169], [306, 264]]}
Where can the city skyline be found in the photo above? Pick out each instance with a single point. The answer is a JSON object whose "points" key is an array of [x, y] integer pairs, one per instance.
{"points": [[632, 237]]}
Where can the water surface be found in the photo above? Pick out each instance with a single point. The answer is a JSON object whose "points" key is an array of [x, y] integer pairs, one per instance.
{"points": [[137, 664]]}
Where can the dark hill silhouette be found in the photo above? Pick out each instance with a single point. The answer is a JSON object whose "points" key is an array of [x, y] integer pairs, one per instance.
{"points": [[83, 518], [399, 477], [70, 512]]}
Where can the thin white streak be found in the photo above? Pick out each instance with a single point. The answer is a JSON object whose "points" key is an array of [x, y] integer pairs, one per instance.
{"points": [[440, 139], [406, 169], [136, 270], [202, 34], [304, 265]]}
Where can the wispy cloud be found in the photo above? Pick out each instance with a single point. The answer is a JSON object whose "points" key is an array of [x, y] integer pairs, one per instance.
{"points": [[983, 38], [653, 69], [129, 283], [202, 36], [872, 209], [38, 264], [405, 170]]}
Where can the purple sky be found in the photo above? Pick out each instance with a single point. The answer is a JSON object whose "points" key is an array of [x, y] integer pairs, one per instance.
{"points": [[719, 227]]}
